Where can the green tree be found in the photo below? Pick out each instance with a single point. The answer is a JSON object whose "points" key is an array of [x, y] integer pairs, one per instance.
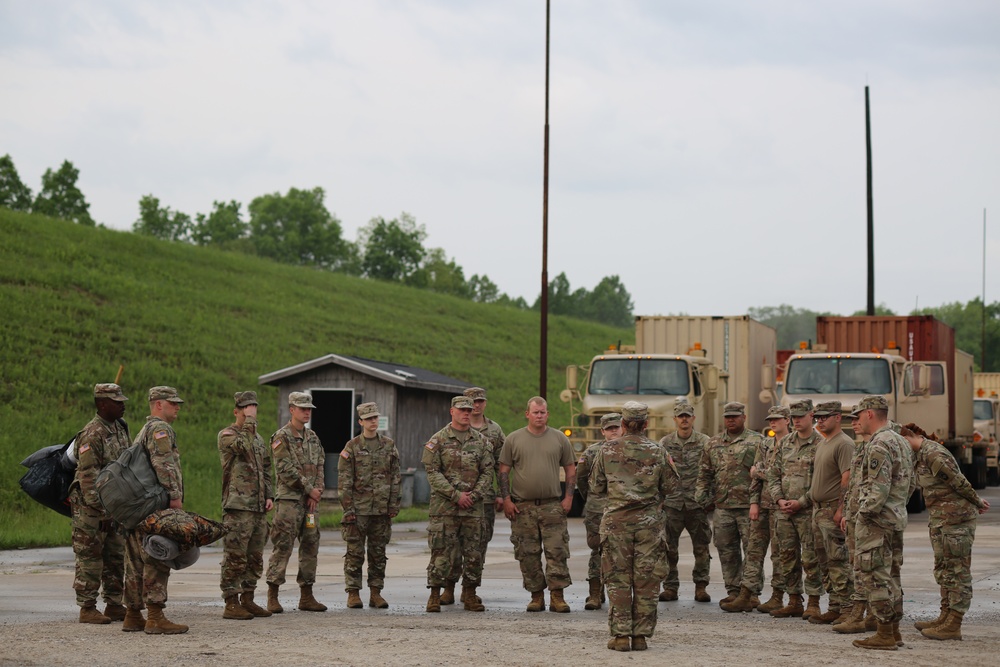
{"points": [[223, 226], [296, 228], [881, 310], [792, 325], [391, 250], [967, 321], [161, 222], [60, 198], [610, 303], [483, 289], [439, 274], [14, 194]]}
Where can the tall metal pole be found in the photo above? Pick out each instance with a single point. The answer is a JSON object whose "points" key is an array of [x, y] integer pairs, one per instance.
{"points": [[544, 356], [982, 345], [871, 215]]}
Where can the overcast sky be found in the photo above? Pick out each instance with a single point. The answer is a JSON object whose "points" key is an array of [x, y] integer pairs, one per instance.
{"points": [[711, 154]]}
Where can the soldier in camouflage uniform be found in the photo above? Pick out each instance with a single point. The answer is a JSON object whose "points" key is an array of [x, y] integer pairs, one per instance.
{"points": [[883, 489], [369, 483], [298, 460], [953, 506], [593, 509], [99, 549], [146, 577], [459, 471], [789, 479], [246, 499], [762, 520], [724, 485], [685, 446], [852, 616], [636, 474]]}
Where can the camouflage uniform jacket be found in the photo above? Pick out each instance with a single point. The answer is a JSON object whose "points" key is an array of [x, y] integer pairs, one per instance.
{"points": [[790, 476], [760, 494], [636, 474], [884, 481], [97, 445], [160, 441], [595, 501], [246, 468], [949, 496], [298, 462], [724, 473], [686, 455], [851, 499], [457, 461], [368, 477], [494, 436]]}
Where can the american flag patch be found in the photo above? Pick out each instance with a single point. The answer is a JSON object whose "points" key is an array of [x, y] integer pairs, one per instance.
{"points": [[84, 448], [159, 435], [276, 444], [431, 446], [345, 454]]}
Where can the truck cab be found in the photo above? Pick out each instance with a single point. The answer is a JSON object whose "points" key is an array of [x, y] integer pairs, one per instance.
{"points": [[986, 413]]}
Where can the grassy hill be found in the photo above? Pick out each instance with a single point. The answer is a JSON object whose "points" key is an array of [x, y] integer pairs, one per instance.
{"points": [[75, 302]]}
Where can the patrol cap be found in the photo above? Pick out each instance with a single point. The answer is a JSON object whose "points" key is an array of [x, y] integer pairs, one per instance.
{"points": [[635, 410], [300, 399], [777, 412], [611, 419], [855, 412], [366, 410], [109, 390], [733, 409], [683, 408], [164, 394], [475, 393], [800, 408], [827, 408], [462, 403], [245, 398], [873, 402]]}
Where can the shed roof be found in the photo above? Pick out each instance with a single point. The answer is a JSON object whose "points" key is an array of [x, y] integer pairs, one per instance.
{"points": [[398, 374]]}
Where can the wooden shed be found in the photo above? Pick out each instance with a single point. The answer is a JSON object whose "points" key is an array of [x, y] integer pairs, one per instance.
{"points": [[413, 402]]}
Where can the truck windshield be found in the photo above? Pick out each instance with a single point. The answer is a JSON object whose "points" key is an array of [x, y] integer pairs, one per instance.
{"points": [[837, 376], [982, 409], [639, 376]]}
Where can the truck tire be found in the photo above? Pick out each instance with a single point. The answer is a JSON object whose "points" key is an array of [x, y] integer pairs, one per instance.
{"points": [[979, 472]]}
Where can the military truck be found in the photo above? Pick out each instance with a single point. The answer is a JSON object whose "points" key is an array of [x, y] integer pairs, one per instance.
{"points": [[706, 360], [986, 413]]}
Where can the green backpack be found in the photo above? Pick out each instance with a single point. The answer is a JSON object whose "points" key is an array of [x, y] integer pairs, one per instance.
{"points": [[129, 489]]}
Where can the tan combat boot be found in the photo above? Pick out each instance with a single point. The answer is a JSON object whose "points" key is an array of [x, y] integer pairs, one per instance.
{"points": [[115, 612], [882, 640], [619, 644], [832, 614], [353, 599], [856, 623], [896, 635], [234, 610], [89, 614], [791, 610], [133, 621], [307, 602], [845, 613], [158, 624], [434, 601], [812, 608], [871, 623], [776, 601], [273, 605], [951, 628], [923, 625], [729, 598], [594, 599], [448, 593], [376, 600], [741, 603], [668, 595], [246, 601], [556, 601], [639, 643], [700, 593], [537, 601], [470, 600]]}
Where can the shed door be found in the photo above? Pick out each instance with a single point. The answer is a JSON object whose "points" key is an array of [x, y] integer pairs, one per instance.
{"points": [[335, 422]]}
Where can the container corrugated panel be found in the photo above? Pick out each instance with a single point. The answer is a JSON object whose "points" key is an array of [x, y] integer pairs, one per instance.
{"points": [[988, 382]]}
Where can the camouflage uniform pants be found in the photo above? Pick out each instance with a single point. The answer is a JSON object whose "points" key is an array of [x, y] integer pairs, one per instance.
{"points": [[375, 531], [873, 562], [592, 522], [489, 519], [856, 595], [831, 552], [731, 535], [145, 577], [243, 551], [454, 539], [633, 566], [760, 539], [797, 553], [539, 527], [289, 524], [953, 561], [897, 568], [695, 521], [100, 557]]}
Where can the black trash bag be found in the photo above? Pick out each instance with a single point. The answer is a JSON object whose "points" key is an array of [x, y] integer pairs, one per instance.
{"points": [[50, 473]]}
